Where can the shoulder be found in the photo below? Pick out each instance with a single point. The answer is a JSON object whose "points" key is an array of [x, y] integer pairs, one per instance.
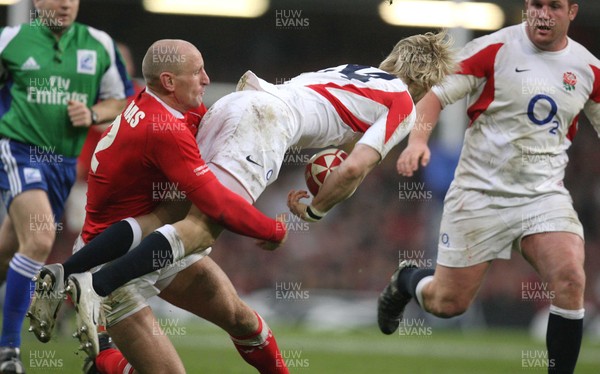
{"points": [[12, 30], [97, 36], [503, 35], [7, 34], [480, 54], [583, 54], [491, 42]]}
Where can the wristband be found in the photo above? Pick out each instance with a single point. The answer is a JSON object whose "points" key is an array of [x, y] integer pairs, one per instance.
{"points": [[314, 215]]}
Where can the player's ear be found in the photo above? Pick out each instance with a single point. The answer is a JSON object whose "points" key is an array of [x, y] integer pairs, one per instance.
{"points": [[573, 9], [167, 80]]}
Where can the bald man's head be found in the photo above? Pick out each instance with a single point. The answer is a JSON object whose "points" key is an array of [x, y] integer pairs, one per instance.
{"points": [[174, 71], [166, 55]]}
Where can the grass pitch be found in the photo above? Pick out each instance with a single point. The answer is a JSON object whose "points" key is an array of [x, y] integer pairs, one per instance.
{"points": [[206, 349]]}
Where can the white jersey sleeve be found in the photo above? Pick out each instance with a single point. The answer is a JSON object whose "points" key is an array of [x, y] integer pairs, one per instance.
{"points": [[592, 107], [112, 85], [475, 74]]}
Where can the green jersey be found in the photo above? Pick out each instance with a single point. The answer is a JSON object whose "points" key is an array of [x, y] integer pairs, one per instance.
{"points": [[40, 75]]}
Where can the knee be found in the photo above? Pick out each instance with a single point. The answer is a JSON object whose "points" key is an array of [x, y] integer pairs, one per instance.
{"points": [[38, 245], [569, 281], [448, 307]]}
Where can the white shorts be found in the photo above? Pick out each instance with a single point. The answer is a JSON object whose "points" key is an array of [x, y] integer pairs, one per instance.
{"points": [[247, 136], [131, 298], [478, 227]]}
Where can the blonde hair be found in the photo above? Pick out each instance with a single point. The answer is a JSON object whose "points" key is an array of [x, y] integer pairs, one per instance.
{"points": [[421, 61]]}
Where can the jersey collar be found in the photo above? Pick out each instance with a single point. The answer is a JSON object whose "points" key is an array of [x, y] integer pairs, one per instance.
{"points": [[173, 111], [65, 39]]}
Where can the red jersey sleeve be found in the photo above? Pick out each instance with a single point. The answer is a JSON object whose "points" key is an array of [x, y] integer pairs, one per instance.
{"points": [[176, 154]]}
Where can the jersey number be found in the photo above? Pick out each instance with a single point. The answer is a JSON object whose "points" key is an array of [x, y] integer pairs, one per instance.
{"points": [[351, 71], [551, 114]]}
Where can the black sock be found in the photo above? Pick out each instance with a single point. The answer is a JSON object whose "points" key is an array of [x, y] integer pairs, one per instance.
{"points": [[153, 253], [112, 243], [409, 278], [563, 341]]}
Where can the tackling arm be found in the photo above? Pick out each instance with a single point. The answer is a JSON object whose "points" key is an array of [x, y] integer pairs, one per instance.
{"points": [[236, 214]]}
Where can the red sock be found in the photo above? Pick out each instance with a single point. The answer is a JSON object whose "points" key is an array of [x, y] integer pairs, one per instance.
{"points": [[112, 361], [260, 350]]}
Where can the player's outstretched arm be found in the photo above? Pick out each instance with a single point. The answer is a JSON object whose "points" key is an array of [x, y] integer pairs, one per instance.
{"points": [[417, 152], [235, 214], [339, 185]]}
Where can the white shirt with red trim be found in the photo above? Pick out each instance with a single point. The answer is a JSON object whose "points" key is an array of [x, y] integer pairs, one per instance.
{"points": [[523, 106], [337, 105]]}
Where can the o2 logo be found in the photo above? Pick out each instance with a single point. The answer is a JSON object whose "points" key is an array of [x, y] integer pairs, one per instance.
{"points": [[551, 114]]}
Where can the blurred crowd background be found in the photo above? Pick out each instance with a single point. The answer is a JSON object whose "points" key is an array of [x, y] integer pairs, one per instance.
{"points": [[359, 244]]}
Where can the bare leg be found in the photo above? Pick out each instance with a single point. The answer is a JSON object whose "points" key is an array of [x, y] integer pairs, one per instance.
{"points": [[558, 258], [33, 223], [8, 246], [206, 291], [452, 290], [221, 305], [147, 352]]}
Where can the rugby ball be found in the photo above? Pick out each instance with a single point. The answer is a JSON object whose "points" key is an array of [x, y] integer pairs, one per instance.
{"points": [[319, 167]]}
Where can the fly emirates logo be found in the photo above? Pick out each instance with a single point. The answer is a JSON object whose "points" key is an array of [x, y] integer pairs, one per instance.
{"points": [[53, 91]]}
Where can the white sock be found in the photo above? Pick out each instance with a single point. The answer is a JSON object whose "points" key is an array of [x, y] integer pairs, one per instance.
{"points": [[419, 289], [170, 233]]}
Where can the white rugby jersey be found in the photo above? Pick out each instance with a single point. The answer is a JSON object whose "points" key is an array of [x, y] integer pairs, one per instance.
{"points": [[523, 105], [333, 106]]}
